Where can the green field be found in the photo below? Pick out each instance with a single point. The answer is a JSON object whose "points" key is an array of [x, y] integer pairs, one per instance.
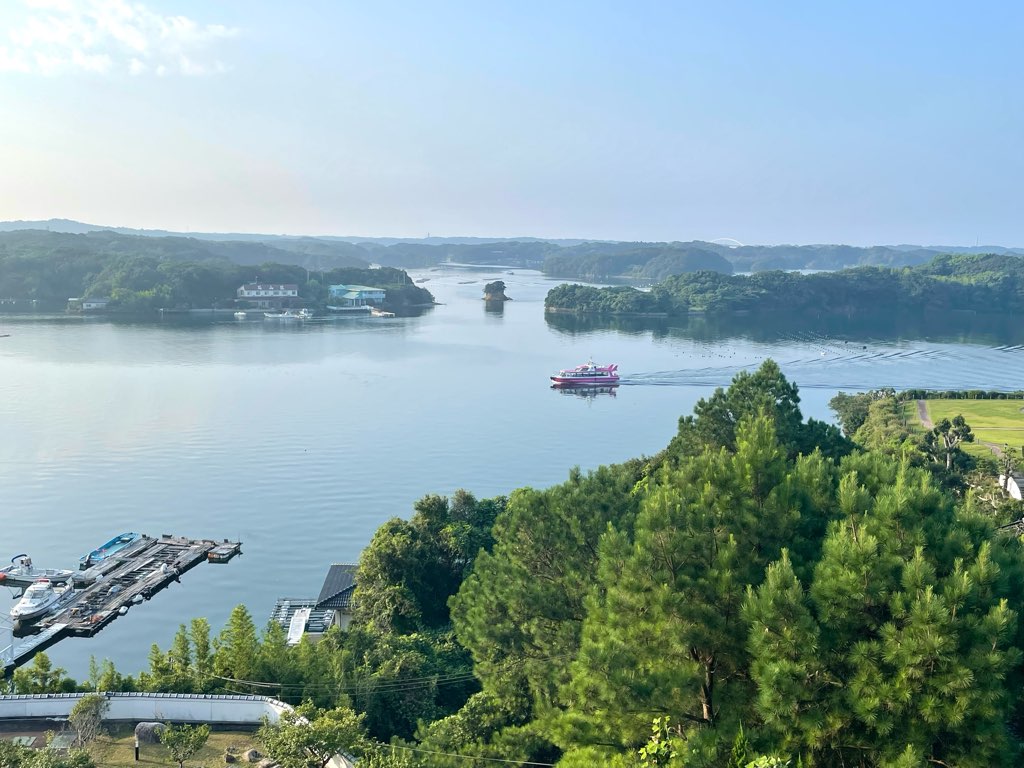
{"points": [[994, 422], [117, 750]]}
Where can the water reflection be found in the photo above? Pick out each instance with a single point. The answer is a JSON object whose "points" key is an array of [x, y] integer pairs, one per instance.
{"points": [[494, 307], [587, 392], [956, 327]]}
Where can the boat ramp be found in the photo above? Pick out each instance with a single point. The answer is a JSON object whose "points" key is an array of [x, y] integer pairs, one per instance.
{"points": [[103, 592]]}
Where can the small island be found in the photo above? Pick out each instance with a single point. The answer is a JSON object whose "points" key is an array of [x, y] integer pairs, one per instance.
{"points": [[495, 291]]}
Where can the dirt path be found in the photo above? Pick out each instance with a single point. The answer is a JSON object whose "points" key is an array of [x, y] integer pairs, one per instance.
{"points": [[996, 449], [922, 414]]}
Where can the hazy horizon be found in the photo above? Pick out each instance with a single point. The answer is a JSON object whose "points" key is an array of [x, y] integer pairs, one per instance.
{"points": [[461, 236], [796, 124]]}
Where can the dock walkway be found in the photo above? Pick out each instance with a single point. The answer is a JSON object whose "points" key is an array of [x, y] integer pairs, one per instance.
{"points": [[108, 589]]}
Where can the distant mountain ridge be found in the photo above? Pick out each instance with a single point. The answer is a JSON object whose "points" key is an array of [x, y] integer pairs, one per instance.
{"points": [[70, 226], [572, 259]]}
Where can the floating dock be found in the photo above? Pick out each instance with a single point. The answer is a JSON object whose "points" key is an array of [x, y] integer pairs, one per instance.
{"points": [[108, 589]]}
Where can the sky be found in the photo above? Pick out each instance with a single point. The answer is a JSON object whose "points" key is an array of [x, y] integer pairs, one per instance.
{"points": [[797, 122]]}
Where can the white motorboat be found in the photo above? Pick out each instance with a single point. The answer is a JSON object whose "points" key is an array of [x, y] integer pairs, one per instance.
{"points": [[289, 314], [38, 599], [240, 315]]}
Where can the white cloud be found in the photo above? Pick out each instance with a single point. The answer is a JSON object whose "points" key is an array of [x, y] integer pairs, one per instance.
{"points": [[109, 36]]}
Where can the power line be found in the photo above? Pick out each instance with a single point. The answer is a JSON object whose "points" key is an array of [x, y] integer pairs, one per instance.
{"points": [[398, 685], [472, 757], [385, 686]]}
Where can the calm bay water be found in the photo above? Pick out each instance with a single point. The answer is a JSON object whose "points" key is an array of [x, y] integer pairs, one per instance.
{"points": [[302, 439]]}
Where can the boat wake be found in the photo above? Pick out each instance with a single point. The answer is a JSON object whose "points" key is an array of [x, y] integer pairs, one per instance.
{"points": [[858, 367]]}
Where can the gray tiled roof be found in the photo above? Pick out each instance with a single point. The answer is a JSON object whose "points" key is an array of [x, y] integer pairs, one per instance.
{"points": [[338, 587]]}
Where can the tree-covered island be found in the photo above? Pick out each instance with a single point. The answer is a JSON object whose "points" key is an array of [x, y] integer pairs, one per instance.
{"points": [[947, 283], [763, 589], [139, 275]]}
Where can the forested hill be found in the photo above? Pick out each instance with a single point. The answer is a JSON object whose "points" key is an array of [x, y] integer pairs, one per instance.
{"points": [[980, 283], [305, 252], [44, 269], [579, 259]]}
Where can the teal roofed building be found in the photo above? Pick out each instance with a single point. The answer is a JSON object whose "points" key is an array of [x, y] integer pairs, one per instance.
{"points": [[352, 296]]}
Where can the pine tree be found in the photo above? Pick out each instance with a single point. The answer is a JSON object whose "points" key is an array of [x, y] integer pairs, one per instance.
{"points": [[237, 648]]}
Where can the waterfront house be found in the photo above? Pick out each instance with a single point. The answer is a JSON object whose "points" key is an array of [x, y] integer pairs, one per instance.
{"points": [[333, 608], [268, 295], [352, 296], [336, 593]]}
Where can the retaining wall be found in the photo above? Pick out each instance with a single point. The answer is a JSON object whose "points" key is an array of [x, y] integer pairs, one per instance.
{"points": [[176, 707]]}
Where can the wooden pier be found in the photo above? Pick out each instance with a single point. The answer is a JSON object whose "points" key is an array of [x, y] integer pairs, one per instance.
{"points": [[107, 590]]}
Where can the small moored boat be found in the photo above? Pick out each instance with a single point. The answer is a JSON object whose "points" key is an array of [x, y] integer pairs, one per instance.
{"points": [[38, 599], [240, 315], [289, 314], [588, 374], [112, 547]]}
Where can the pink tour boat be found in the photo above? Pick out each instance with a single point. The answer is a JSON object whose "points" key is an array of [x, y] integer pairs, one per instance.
{"points": [[587, 374]]}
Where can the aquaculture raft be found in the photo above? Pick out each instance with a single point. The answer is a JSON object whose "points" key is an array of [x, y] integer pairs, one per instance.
{"points": [[110, 588]]}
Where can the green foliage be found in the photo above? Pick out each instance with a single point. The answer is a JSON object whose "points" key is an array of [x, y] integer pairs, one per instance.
{"points": [[495, 289], [714, 420], [87, 715], [381, 756], [202, 657], [769, 761], [664, 631], [986, 283], [902, 636], [16, 756], [520, 612], [236, 649], [309, 736], [184, 741], [884, 428], [653, 261], [42, 677], [412, 567], [738, 756], [852, 410], [943, 442], [438, 669], [142, 274], [618, 300]]}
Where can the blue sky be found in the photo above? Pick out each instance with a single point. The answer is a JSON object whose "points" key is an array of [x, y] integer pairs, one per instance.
{"points": [[766, 122]]}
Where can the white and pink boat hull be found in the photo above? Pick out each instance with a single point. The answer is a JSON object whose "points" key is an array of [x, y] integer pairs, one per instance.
{"points": [[586, 375]]}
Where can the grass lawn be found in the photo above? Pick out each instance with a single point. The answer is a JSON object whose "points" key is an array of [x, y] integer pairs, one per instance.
{"points": [[909, 411], [117, 750], [992, 421]]}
